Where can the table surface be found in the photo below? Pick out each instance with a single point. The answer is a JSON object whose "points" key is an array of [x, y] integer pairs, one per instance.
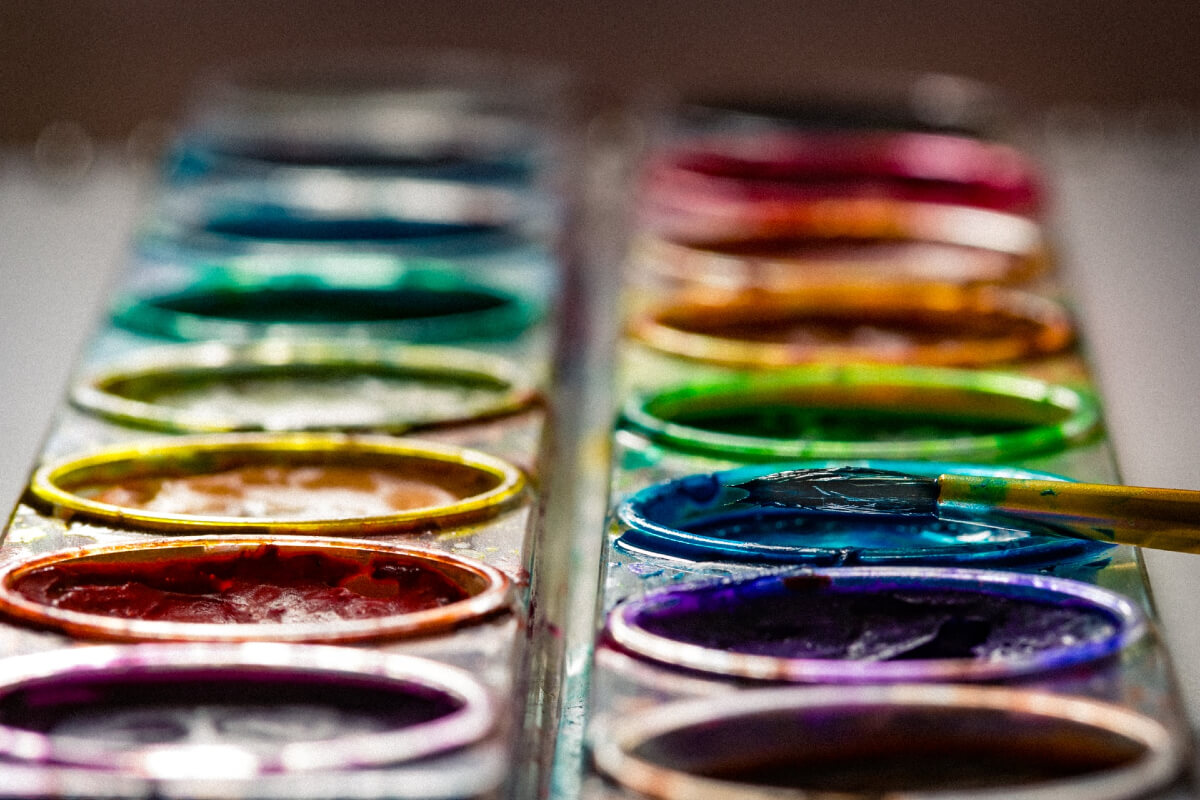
{"points": [[1126, 214]]}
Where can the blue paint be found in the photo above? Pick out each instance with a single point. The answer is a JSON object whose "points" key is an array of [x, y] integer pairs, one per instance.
{"points": [[692, 518], [244, 217]]}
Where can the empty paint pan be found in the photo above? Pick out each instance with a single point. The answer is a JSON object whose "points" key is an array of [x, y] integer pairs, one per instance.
{"points": [[322, 484]]}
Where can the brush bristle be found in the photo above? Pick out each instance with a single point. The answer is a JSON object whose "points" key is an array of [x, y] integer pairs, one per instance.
{"points": [[845, 490]]}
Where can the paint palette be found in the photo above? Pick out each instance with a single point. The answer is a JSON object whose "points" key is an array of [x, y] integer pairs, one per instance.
{"points": [[778, 314], [319, 515], [299, 473]]}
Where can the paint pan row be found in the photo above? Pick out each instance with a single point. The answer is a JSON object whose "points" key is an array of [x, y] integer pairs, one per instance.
{"points": [[805, 297], [304, 599]]}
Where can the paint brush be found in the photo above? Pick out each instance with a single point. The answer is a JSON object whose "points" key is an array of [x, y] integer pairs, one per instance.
{"points": [[1163, 519]]}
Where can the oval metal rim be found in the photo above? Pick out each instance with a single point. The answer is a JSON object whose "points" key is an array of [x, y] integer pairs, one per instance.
{"points": [[471, 723], [1083, 414], [179, 225], [1131, 626], [91, 396], [629, 514], [140, 314], [1054, 330], [511, 483], [711, 267], [494, 599], [613, 740]]}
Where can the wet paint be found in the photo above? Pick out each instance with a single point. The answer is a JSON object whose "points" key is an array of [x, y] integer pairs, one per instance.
{"points": [[878, 624], [698, 518], [1138, 516], [284, 483], [256, 586], [243, 588], [855, 412], [923, 324]]}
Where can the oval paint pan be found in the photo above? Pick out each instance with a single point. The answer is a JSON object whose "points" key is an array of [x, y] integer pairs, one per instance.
{"points": [[252, 589], [924, 742], [856, 412], [233, 712], [320, 210], [425, 306], [878, 625], [445, 114], [279, 484], [911, 165], [911, 186], [781, 265], [859, 100], [921, 324], [696, 518], [286, 385], [730, 222]]}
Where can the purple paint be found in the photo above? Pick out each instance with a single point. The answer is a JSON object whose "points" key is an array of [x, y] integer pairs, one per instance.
{"points": [[878, 624], [219, 706], [161, 711]]}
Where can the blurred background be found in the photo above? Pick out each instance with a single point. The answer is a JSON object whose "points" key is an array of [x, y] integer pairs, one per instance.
{"points": [[1108, 89], [109, 67]]}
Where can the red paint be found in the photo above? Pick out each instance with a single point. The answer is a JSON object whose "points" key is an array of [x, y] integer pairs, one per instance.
{"points": [[251, 586], [912, 166]]}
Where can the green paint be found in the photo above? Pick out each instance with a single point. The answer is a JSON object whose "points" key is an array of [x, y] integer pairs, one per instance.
{"points": [[420, 307], [777, 421], [830, 412]]}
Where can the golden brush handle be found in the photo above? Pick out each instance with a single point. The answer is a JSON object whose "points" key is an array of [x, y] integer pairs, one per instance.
{"points": [[1163, 519]]}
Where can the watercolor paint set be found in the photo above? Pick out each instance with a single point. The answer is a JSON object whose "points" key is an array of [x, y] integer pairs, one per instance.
{"points": [[322, 510], [833, 299], [280, 538]]}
